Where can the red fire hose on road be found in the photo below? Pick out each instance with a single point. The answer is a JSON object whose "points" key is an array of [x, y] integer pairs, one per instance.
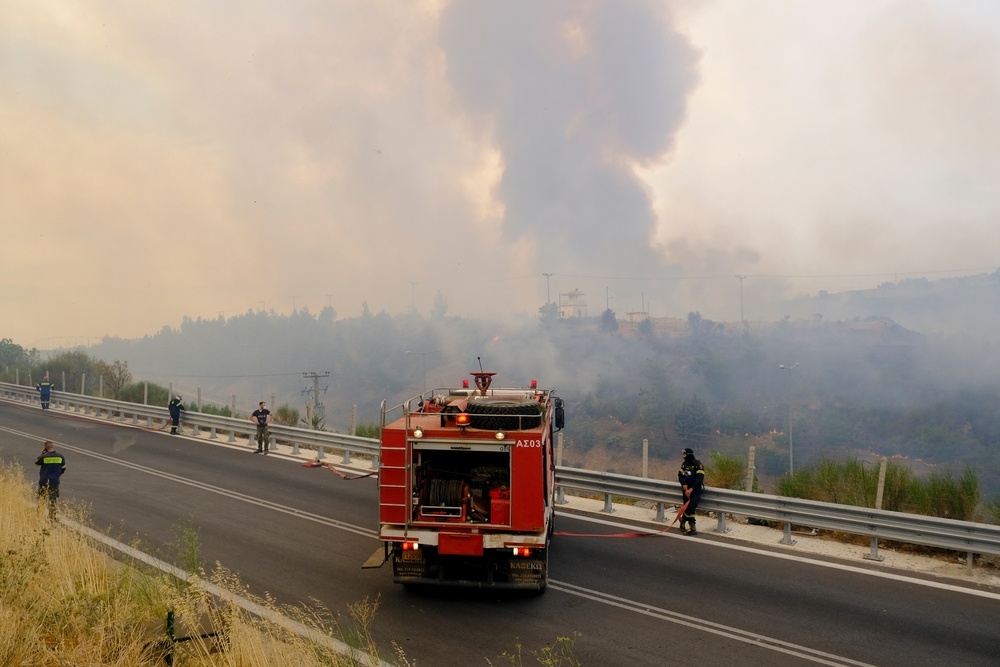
{"points": [[680, 513]]}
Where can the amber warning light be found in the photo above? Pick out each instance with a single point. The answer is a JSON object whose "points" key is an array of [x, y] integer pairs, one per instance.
{"points": [[462, 419]]}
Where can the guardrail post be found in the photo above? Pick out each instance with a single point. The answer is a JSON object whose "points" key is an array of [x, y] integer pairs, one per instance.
{"points": [[660, 515], [232, 435], [721, 525], [874, 552], [608, 507], [560, 492], [347, 457], [645, 457], [195, 430], [787, 538], [320, 454], [295, 448], [135, 419], [271, 444], [212, 434], [375, 462]]}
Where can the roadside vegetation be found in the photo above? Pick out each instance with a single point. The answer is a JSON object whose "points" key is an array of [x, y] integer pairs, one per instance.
{"points": [[64, 602], [853, 481]]}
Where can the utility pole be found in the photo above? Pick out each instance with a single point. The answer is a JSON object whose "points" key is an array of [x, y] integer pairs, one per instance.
{"points": [[413, 294], [548, 294], [317, 406], [743, 321], [791, 459]]}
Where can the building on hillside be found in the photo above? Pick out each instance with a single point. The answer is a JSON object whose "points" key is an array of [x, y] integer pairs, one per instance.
{"points": [[636, 316], [572, 304]]}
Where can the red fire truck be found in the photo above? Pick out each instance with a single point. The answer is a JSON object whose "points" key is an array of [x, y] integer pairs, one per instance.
{"points": [[466, 493]]}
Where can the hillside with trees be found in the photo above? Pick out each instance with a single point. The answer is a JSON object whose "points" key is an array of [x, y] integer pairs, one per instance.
{"points": [[862, 387]]}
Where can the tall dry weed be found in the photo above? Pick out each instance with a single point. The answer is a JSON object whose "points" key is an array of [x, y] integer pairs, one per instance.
{"points": [[63, 601]]}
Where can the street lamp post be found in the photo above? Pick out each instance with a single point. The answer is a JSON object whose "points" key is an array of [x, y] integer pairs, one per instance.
{"points": [[791, 449]]}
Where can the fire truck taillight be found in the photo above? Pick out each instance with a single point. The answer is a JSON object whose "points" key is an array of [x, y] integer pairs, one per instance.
{"points": [[534, 384], [522, 551], [410, 546], [462, 419]]}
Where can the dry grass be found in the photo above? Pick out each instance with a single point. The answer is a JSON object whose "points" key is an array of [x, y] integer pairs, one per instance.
{"points": [[64, 602]]}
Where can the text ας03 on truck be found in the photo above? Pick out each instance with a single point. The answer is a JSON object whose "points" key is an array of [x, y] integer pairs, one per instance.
{"points": [[466, 486]]}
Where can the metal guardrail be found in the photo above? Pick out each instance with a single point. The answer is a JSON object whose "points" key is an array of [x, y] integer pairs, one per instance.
{"points": [[962, 536], [147, 415]]}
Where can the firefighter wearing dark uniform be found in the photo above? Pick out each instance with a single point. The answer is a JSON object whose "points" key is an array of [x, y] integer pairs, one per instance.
{"points": [[53, 465], [691, 477], [175, 406], [45, 391]]}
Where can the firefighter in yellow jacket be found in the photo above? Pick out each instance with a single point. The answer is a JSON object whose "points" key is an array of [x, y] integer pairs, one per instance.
{"points": [[52, 466]]}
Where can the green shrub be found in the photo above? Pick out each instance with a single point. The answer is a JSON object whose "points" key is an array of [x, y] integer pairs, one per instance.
{"points": [[854, 482], [373, 431], [726, 472]]}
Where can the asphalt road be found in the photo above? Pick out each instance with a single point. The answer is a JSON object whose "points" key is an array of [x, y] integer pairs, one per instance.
{"points": [[301, 534]]}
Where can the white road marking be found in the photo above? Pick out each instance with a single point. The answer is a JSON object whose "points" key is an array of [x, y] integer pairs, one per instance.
{"points": [[702, 625], [799, 559]]}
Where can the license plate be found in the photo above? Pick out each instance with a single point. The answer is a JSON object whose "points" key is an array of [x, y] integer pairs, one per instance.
{"points": [[411, 556]]}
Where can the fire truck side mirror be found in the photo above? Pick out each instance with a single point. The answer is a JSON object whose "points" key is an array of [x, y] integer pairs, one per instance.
{"points": [[560, 416]]}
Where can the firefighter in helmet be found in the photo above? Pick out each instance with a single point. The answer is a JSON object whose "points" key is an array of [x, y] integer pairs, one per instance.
{"points": [[691, 477]]}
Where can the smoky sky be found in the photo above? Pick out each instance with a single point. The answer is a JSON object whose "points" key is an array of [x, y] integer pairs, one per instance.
{"points": [[212, 158], [577, 94]]}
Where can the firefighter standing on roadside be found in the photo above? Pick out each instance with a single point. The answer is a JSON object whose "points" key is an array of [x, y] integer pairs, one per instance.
{"points": [[53, 465], [175, 406], [44, 391], [691, 477]]}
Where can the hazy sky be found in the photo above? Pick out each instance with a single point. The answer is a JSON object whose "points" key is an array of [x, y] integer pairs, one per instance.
{"points": [[162, 159]]}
